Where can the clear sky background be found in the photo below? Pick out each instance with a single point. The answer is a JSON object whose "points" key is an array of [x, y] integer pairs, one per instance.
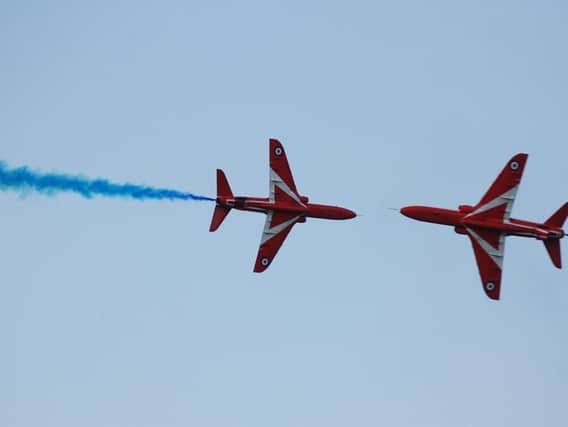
{"points": [[125, 313]]}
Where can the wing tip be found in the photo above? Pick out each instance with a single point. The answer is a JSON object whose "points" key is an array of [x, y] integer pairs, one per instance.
{"points": [[518, 162], [276, 147], [493, 297], [261, 264], [492, 290], [521, 159], [273, 142]]}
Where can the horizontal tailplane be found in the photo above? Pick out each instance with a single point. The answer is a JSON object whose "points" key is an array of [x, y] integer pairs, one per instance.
{"points": [[219, 215], [557, 219], [553, 248], [223, 191]]}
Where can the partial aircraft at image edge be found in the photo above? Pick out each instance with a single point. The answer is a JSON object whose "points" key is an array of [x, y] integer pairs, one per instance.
{"points": [[283, 208], [489, 222]]}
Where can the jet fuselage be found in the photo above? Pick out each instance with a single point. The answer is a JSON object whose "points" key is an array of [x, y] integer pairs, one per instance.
{"points": [[459, 219], [264, 205]]}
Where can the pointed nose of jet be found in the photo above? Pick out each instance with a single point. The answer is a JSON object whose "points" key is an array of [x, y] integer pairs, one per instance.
{"points": [[343, 213], [349, 214], [414, 212], [406, 211]]}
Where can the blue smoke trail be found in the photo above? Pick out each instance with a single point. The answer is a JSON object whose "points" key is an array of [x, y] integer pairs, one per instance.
{"points": [[24, 180]]}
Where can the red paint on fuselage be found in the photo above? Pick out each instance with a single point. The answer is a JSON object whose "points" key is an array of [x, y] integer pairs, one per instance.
{"points": [[310, 210], [459, 218]]}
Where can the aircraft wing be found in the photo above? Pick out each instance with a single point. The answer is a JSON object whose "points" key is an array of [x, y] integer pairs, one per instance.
{"points": [[276, 229], [489, 249], [497, 202], [282, 185]]}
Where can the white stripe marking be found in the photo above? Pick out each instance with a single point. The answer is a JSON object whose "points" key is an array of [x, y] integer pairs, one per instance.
{"points": [[269, 232], [506, 198], [495, 254], [275, 180]]}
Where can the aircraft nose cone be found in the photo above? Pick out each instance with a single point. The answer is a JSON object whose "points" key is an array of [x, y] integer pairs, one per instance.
{"points": [[414, 212], [407, 211], [342, 213]]}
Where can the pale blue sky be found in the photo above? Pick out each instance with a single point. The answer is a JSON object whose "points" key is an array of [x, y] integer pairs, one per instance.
{"points": [[124, 313]]}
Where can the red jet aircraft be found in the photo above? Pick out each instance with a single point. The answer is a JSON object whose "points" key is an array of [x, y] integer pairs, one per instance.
{"points": [[489, 222], [284, 208]]}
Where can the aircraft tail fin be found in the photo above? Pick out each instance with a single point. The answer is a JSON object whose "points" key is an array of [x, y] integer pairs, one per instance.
{"points": [[223, 190], [553, 249], [557, 219]]}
